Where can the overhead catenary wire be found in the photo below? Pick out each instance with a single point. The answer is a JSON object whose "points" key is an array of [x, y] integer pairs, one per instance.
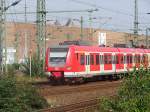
{"points": [[103, 8], [62, 11]]}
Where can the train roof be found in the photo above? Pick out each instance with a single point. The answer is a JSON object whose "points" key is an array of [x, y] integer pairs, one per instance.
{"points": [[131, 50], [103, 49], [95, 49], [59, 46], [110, 49], [147, 50]]}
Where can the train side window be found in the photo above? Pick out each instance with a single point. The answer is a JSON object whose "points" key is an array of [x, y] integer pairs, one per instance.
{"points": [[82, 60], [109, 59], [130, 58], [122, 60], [145, 58], [117, 59], [135, 59], [97, 60], [105, 59], [91, 60], [139, 59]]}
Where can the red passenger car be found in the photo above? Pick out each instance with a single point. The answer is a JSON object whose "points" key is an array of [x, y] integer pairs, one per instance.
{"points": [[75, 63]]}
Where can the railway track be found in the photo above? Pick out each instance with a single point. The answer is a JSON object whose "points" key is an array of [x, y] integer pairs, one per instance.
{"points": [[48, 91], [75, 107]]}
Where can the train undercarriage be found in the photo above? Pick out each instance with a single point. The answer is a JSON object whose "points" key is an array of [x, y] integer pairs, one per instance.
{"points": [[61, 80]]}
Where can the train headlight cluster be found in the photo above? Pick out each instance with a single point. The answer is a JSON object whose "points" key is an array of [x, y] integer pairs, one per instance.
{"points": [[48, 74], [69, 68]]}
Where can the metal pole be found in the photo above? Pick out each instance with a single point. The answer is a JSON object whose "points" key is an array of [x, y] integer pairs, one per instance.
{"points": [[26, 35], [136, 23], [90, 23], [30, 66], [4, 33], [25, 9], [38, 29], [30, 58], [1, 38], [16, 46], [147, 40], [41, 28], [81, 28]]}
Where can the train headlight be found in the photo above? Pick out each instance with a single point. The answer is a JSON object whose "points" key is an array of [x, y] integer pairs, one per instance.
{"points": [[69, 68], [48, 74]]}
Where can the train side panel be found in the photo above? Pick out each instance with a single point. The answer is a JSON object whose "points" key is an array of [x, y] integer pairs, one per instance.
{"points": [[90, 61]]}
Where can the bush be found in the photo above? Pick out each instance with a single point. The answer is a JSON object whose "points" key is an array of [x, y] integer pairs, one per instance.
{"points": [[133, 95], [16, 66], [11, 69], [19, 97], [36, 66]]}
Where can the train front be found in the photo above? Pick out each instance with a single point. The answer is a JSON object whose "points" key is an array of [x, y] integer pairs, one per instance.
{"points": [[56, 63]]}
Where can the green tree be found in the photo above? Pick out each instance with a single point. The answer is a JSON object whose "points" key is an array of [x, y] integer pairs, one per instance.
{"points": [[36, 66], [19, 97], [133, 95]]}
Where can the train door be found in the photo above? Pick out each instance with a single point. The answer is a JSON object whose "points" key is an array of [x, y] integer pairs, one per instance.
{"points": [[137, 60], [101, 63], [119, 62], [107, 61], [133, 55], [129, 61], [80, 65], [87, 63], [97, 63], [94, 63]]}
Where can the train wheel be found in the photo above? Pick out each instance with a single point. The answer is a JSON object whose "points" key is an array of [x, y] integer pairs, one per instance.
{"points": [[115, 77], [74, 81], [104, 77], [110, 77], [56, 81]]}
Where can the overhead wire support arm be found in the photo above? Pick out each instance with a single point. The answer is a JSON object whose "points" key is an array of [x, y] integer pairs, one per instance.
{"points": [[63, 11]]}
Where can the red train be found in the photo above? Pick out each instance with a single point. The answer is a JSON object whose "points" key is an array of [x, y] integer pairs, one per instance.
{"points": [[74, 63]]}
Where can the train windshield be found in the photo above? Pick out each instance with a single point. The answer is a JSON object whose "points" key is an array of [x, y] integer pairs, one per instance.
{"points": [[57, 56]]}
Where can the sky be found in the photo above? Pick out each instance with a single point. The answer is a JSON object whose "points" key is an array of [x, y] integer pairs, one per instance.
{"points": [[116, 15]]}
